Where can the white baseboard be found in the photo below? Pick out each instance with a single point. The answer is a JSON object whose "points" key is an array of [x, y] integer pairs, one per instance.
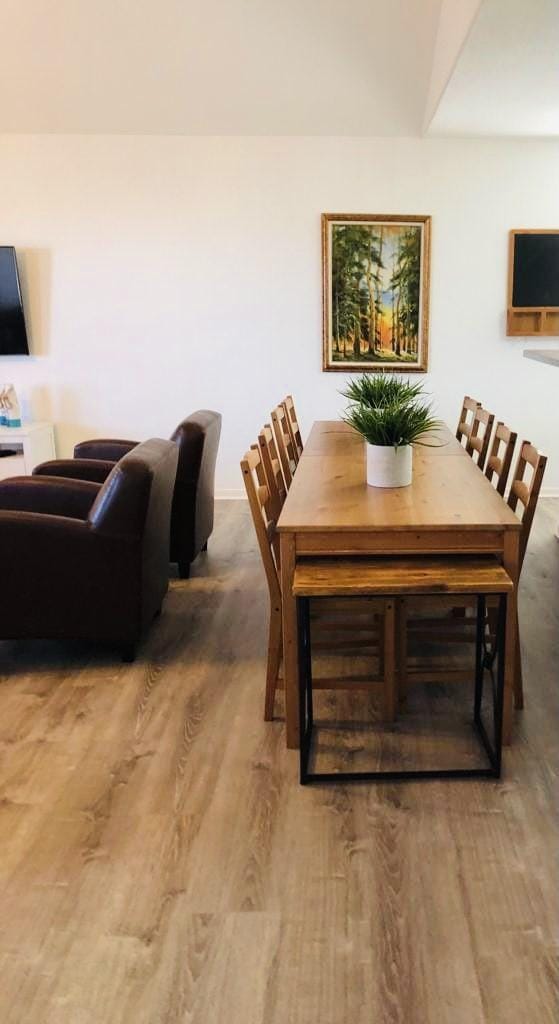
{"points": [[550, 492]]}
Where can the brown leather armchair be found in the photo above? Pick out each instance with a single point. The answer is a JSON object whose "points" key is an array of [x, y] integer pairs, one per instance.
{"points": [[87, 560], [192, 517]]}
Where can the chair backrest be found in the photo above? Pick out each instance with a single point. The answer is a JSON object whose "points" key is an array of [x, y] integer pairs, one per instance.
{"points": [[284, 443], [526, 493], [293, 427], [480, 435], [500, 458], [265, 525], [272, 469], [464, 428]]}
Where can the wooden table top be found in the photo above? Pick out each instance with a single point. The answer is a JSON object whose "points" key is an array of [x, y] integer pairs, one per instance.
{"points": [[329, 490]]}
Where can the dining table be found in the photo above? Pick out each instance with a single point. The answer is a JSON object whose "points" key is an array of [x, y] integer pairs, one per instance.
{"points": [[450, 508]]}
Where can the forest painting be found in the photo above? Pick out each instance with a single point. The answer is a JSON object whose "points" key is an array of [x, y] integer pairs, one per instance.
{"points": [[376, 292]]}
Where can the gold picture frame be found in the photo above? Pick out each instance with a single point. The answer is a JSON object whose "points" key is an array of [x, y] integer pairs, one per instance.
{"points": [[375, 292]]}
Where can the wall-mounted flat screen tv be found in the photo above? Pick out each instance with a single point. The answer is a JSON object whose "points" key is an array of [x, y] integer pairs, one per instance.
{"points": [[13, 335]]}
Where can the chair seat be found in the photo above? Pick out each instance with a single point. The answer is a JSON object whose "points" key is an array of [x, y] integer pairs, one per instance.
{"points": [[325, 577]]}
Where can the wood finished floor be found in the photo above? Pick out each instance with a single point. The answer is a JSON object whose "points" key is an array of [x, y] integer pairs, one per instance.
{"points": [[160, 863]]}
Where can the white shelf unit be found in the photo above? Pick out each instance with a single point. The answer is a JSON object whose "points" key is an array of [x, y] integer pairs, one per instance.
{"points": [[32, 442]]}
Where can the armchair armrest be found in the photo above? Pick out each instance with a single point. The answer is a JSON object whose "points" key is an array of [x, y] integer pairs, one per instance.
{"points": [[111, 449], [76, 469], [44, 495]]}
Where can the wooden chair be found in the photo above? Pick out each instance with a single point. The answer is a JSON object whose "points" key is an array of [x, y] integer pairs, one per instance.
{"points": [[472, 418], [523, 493], [500, 458], [284, 443], [333, 630], [259, 500], [390, 579], [272, 469], [526, 493], [293, 426], [477, 444], [464, 428]]}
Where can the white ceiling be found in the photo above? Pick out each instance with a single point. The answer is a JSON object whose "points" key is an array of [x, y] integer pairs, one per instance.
{"points": [[506, 78], [308, 67], [280, 67], [456, 18]]}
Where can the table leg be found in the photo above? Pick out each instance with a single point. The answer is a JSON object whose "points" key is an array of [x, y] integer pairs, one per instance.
{"points": [[511, 562], [289, 620]]}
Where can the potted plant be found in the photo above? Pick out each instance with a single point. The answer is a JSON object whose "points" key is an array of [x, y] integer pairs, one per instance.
{"points": [[378, 390], [390, 431]]}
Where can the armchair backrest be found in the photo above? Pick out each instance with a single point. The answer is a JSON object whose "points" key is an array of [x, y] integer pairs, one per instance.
{"points": [[137, 481], [197, 440], [134, 504]]}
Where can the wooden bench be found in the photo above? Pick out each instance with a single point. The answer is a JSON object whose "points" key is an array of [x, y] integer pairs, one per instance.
{"points": [[390, 579]]}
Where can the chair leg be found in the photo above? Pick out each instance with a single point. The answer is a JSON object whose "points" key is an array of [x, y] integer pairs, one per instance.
{"points": [[381, 648], [205, 546], [274, 659], [184, 570], [390, 684], [402, 647], [492, 622]]}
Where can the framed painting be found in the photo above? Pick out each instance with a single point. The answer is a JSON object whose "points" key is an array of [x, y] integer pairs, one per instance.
{"points": [[375, 292]]}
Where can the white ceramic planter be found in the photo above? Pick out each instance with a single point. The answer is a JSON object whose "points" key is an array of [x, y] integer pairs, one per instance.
{"points": [[388, 466]]}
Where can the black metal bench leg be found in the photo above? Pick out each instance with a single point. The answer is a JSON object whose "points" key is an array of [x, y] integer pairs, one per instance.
{"points": [[305, 687], [500, 689], [480, 657], [494, 746]]}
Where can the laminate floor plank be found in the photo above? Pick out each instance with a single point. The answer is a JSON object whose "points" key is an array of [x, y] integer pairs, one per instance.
{"points": [[160, 863]]}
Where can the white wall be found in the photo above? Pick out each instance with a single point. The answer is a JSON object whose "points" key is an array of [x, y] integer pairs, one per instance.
{"points": [[168, 274]]}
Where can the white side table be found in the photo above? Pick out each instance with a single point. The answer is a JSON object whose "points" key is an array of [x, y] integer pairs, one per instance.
{"points": [[32, 442]]}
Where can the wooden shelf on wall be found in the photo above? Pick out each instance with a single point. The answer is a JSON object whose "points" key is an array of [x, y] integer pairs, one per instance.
{"points": [[530, 320], [537, 274]]}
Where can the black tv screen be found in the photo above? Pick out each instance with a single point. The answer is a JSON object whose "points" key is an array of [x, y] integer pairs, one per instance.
{"points": [[13, 336]]}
